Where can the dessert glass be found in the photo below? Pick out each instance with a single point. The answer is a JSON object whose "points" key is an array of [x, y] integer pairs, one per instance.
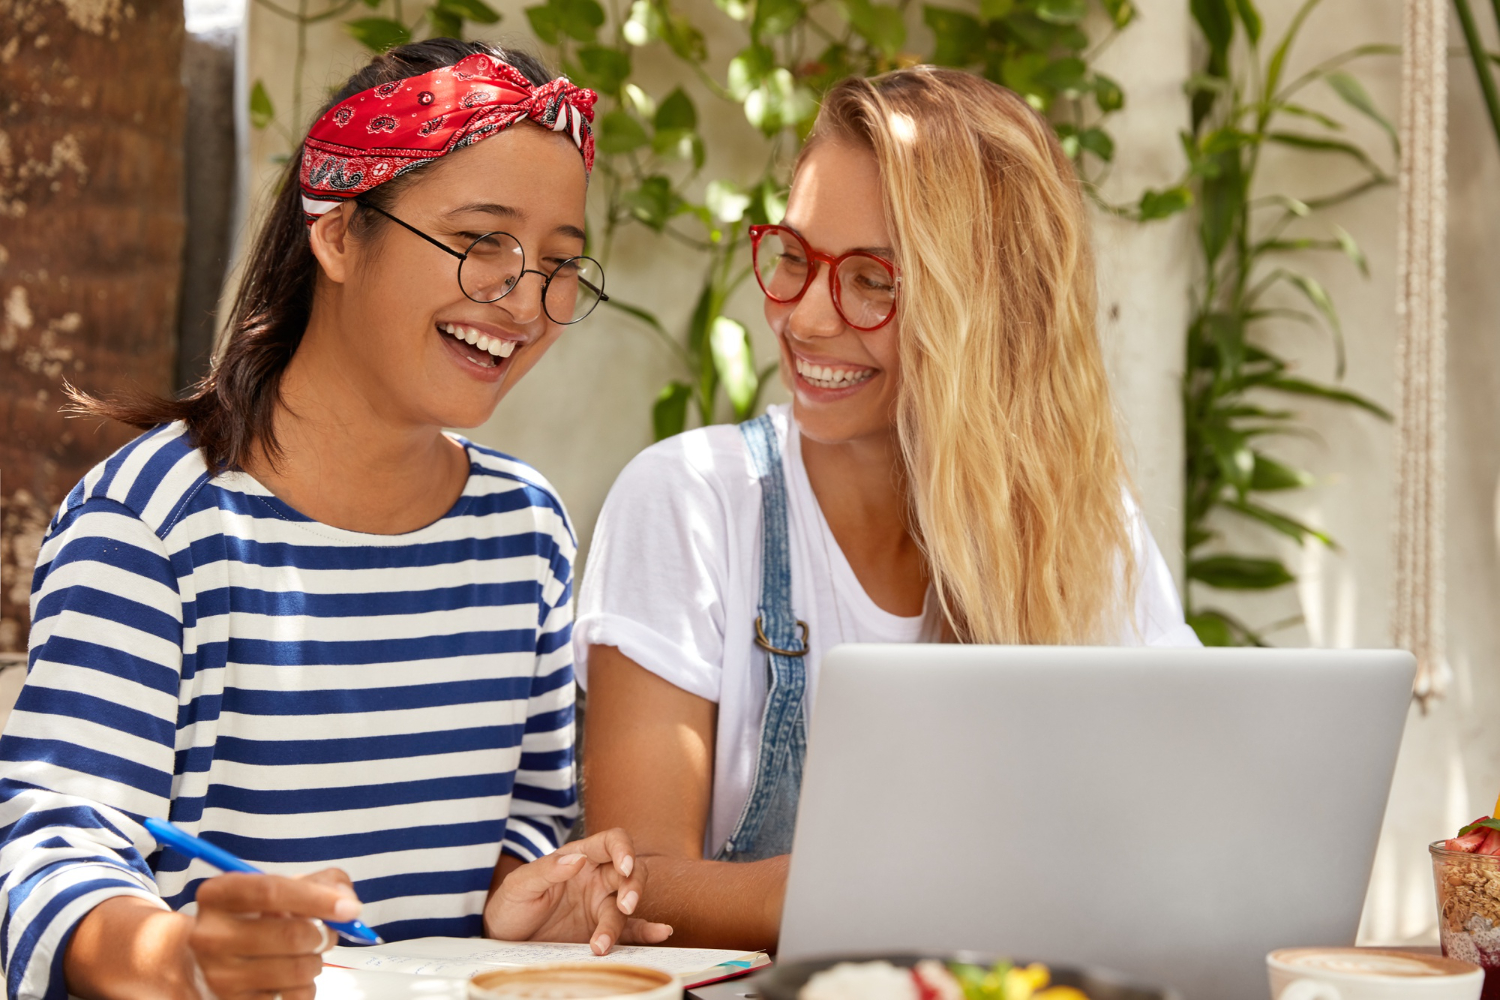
{"points": [[1468, 900]]}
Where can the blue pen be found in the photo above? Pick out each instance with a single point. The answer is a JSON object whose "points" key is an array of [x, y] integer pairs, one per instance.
{"points": [[179, 840]]}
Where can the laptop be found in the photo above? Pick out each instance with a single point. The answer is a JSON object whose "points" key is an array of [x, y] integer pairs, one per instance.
{"points": [[1171, 814]]}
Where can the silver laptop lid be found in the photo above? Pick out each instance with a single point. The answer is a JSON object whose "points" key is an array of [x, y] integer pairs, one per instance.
{"points": [[1173, 814]]}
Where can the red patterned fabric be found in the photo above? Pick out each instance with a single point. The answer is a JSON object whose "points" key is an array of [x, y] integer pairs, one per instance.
{"points": [[383, 132]]}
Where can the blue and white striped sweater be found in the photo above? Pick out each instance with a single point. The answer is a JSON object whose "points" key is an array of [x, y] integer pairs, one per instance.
{"points": [[397, 706]]}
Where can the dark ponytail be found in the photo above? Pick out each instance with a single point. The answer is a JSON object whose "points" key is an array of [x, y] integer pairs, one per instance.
{"points": [[233, 407]]}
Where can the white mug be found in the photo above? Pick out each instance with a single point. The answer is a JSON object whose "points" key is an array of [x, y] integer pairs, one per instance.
{"points": [[1370, 974]]}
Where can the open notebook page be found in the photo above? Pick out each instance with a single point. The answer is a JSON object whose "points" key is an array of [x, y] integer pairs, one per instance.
{"points": [[463, 958]]}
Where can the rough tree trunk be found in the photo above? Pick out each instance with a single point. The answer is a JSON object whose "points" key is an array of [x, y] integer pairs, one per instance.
{"points": [[91, 230]]}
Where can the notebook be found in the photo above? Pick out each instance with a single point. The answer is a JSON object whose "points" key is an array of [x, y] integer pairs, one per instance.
{"points": [[464, 958]]}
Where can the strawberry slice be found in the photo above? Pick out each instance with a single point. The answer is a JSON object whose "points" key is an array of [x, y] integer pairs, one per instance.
{"points": [[1467, 845], [1491, 844]]}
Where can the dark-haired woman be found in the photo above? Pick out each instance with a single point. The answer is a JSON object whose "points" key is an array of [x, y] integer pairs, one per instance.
{"points": [[297, 618]]}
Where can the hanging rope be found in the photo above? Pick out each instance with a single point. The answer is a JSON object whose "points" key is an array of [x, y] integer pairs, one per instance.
{"points": [[1421, 375]]}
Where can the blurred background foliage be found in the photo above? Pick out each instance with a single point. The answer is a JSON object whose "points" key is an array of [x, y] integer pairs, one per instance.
{"points": [[1235, 387]]}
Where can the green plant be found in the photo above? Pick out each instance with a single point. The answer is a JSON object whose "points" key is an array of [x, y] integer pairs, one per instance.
{"points": [[1234, 385], [1482, 59]]}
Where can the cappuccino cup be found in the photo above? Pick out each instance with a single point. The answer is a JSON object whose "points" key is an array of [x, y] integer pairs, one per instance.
{"points": [[576, 981], [1370, 974]]}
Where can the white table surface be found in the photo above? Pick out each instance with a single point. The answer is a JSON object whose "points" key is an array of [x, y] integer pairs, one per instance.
{"points": [[362, 984]]}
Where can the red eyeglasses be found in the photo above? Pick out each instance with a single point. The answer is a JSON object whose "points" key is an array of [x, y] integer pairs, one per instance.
{"points": [[864, 286]]}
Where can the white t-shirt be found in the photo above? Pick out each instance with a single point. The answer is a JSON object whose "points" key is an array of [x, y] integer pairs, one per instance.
{"points": [[673, 581]]}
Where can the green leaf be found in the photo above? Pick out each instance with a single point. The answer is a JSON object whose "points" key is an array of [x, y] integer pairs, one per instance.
{"points": [[1062, 11], [1121, 12], [748, 70], [639, 101], [1318, 296], [444, 23], [1289, 526], [996, 10], [669, 413], [1223, 198], [1215, 21], [1354, 94], [262, 111], [644, 23], [679, 143], [1278, 58], [1067, 75], [959, 36], [602, 68], [775, 17], [1319, 144], [1098, 142], [471, 10], [1107, 94], [378, 33], [685, 41], [1299, 111], [737, 9], [1271, 475], [730, 343], [618, 132], [1250, 18], [654, 202], [580, 19], [726, 200], [1162, 204], [1351, 250], [543, 19], [1302, 387], [880, 25], [768, 203], [1481, 824], [1212, 629], [1239, 573], [676, 111]]}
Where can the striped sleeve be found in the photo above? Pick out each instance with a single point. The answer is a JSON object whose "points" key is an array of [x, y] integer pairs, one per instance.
{"points": [[544, 802], [89, 748]]}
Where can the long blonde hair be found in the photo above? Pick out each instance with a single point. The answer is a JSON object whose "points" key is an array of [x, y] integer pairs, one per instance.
{"points": [[1016, 480]]}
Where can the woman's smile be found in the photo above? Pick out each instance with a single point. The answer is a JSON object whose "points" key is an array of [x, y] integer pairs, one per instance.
{"points": [[482, 350], [823, 380]]}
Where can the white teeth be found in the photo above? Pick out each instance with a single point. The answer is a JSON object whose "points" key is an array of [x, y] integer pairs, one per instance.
{"points": [[494, 346], [470, 334], [826, 377], [483, 343], [506, 348]]}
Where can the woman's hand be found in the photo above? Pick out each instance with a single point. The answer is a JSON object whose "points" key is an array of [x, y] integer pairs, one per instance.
{"points": [[259, 935], [584, 891]]}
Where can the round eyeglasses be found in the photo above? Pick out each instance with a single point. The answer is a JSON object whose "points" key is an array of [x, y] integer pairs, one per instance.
{"points": [[493, 265], [864, 286]]}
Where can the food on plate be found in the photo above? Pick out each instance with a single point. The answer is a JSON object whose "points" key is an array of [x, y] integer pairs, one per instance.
{"points": [[934, 980]]}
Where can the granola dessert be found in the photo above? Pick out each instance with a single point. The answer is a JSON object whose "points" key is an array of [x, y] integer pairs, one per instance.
{"points": [[933, 980], [1466, 871]]}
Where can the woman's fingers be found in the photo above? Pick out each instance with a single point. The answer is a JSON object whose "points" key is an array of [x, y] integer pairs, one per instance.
{"points": [[638, 931], [609, 929], [534, 879], [259, 938], [305, 897], [612, 847]]}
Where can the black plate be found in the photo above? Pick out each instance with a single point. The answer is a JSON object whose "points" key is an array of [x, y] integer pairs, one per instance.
{"points": [[782, 981]]}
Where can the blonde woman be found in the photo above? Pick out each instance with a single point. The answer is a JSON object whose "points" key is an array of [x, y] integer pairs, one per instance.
{"points": [[948, 469]]}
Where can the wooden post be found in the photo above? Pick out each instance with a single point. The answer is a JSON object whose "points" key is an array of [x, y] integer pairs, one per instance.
{"points": [[91, 231]]}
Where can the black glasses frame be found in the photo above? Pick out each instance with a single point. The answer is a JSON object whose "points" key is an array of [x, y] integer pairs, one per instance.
{"points": [[464, 256]]}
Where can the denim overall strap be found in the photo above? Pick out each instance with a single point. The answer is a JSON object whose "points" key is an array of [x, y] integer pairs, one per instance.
{"points": [[765, 825]]}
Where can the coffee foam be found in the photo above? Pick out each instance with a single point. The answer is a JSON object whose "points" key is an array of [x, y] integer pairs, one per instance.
{"points": [[1365, 962]]}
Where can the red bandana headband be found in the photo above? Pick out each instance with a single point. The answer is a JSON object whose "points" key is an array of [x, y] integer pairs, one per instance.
{"points": [[383, 132]]}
